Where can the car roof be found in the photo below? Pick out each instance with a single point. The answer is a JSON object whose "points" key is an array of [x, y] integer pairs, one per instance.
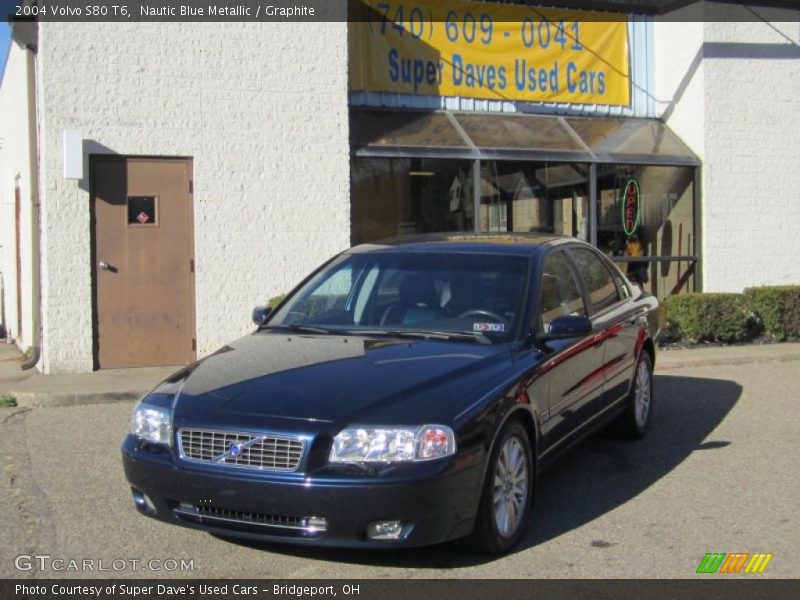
{"points": [[466, 242]]}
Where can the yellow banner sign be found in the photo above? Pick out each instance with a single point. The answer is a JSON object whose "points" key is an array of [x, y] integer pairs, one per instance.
{"points": [[489, 51]]}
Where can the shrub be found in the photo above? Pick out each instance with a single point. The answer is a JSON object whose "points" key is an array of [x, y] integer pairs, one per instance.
{"points": [[778, 309], [709, 317], [315, 305], [275, 300]]}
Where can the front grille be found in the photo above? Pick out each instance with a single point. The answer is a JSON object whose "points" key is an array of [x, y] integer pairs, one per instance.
{"points": [[249, 450], [249, 518], [250, 521]]}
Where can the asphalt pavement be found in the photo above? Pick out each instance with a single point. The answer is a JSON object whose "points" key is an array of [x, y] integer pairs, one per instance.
{"points": [[716, 473]]}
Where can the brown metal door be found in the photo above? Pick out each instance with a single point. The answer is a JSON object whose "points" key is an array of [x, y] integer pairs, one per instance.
{"points": [[143, 261]]}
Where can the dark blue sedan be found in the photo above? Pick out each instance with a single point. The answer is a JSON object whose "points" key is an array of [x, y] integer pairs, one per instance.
{"points": [[408, 392]]}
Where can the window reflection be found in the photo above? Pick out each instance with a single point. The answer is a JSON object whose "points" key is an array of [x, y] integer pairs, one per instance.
{"points": [[560, 293], [665, 227], [401, 196], [535, 196]]}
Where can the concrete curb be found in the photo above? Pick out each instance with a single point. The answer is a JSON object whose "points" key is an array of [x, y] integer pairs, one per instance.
{"points": [[664, 362], [33, 389], [50, 399]]}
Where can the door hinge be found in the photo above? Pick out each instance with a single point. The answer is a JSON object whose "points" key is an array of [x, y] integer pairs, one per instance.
{"points": [[194, 345], [191, 265], [191, 186]]}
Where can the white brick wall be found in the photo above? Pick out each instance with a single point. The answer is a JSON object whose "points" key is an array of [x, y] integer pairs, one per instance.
{"points": [[261, 109], [680, 79], [751, 183], [740, 113], [15, 166]]}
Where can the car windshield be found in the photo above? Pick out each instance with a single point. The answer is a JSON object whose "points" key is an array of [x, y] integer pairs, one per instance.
{"points": [[446, 296]]}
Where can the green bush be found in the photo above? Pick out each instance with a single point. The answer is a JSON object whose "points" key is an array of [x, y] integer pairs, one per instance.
{"points": [[709, 317], [777, 308], [275, 300], [314, 305], [317, 305]]}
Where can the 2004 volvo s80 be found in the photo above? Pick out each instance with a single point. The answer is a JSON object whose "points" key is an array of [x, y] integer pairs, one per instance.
{"points": [[407, 393]]}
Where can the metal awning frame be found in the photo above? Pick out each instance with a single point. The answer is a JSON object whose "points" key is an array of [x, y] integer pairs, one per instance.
{"points": [[471, 151]]}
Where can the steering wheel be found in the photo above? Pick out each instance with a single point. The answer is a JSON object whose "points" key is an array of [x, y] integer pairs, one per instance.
{"points": [[483, 313]]}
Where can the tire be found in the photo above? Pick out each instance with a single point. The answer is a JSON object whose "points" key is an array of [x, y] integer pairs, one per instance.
{"points": [[507, 496], [634, 422]]}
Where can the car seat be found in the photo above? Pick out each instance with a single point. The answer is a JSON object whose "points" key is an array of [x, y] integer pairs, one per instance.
{"points": [[418, 302]]}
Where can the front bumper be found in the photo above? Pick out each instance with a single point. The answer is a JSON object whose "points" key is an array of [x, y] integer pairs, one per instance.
{"points": [[438, 498]]}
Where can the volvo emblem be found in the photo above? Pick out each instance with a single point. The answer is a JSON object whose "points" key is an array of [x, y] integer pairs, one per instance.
{"points": [[236, 449]]}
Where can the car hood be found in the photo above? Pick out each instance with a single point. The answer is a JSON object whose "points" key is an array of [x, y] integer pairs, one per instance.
{"points": [[271, 379]]}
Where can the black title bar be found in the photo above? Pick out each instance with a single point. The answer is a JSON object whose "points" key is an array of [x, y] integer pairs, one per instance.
{"points": [[154, 11], [705, 587]]}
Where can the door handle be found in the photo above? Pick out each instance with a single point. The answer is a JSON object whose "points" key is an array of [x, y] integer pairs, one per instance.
{"points": [[104, 265]]}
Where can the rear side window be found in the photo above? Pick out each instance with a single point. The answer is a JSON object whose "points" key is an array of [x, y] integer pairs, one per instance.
{"points": [[560, 294], [603, 292]]}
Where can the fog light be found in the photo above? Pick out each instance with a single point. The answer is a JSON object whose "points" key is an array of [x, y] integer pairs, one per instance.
{"points": [[388, 530], [143, 502], [315, 525]]}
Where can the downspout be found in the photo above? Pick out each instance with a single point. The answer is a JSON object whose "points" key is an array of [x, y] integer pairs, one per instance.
{"points": [[36, 266]]}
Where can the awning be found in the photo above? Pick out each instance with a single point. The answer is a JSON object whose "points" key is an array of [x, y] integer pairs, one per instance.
{"points": [[448, 134]]}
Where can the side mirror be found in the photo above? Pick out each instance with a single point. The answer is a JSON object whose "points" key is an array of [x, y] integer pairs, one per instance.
{"points": [[261, 314], [568, 326]]}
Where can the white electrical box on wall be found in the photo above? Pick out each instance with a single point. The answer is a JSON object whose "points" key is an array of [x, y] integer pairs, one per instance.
{"points": [[73, 154]]}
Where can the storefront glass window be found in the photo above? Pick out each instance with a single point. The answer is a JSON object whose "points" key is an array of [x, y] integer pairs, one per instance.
{"points": [[401, 196], [644, 212], [648, 211], [535, 196]]}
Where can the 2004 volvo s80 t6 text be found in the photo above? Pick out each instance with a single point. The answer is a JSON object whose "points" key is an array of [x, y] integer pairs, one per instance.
{"points": [[407, 393]]}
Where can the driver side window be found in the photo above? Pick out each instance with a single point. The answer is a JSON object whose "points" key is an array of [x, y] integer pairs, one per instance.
{"points": [[560, 294]]}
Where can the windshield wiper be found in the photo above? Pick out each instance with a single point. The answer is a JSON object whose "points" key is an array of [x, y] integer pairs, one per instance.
{"points": [[476, 336], [301, 328]]}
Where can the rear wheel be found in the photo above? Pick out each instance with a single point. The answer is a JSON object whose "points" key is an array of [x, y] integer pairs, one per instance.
{"points": [[635, 420], [507, 496]]}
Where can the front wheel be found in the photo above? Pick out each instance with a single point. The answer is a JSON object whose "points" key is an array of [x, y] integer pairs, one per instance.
{"points": [[507, 496]]}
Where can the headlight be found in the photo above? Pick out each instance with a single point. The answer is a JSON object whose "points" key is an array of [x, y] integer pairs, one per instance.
{"points": [[152, 423], [393, 444]]}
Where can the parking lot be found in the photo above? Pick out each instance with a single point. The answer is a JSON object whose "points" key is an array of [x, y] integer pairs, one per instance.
{"points": [[717, 473]]}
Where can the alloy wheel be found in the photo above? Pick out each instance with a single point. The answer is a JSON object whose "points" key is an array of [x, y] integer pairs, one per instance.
{"points": [[510, 488], [641, 394]]}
